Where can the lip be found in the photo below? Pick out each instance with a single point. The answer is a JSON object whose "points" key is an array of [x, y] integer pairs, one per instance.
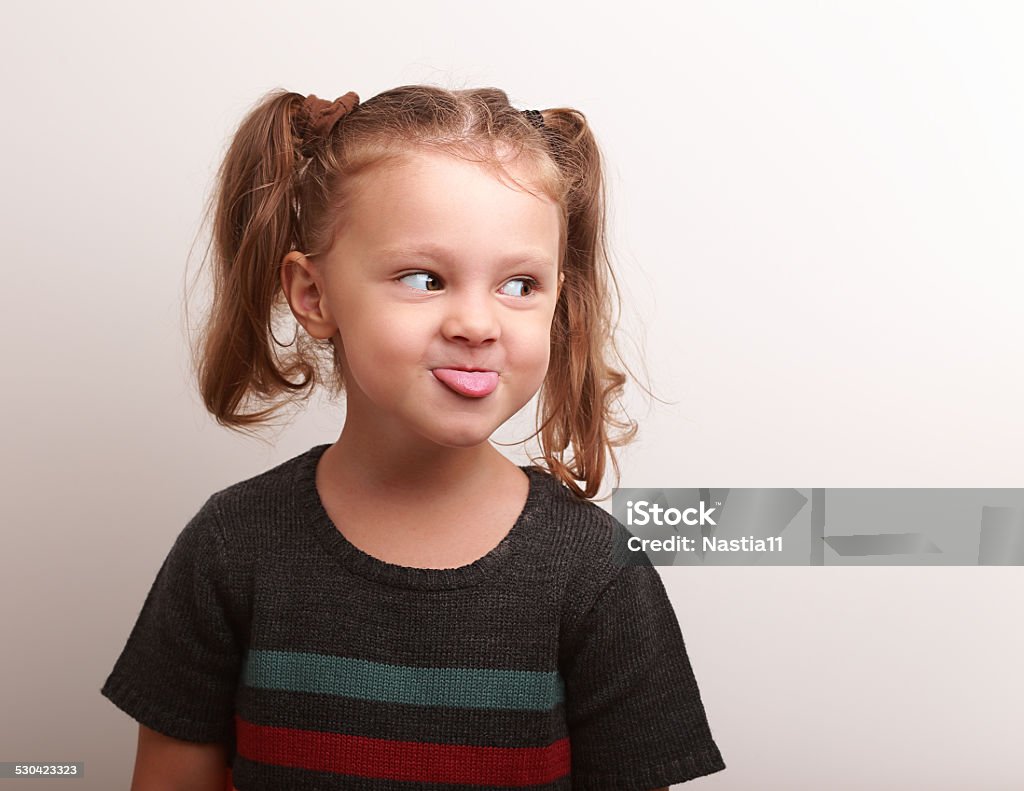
{"points": [[468, 381]]}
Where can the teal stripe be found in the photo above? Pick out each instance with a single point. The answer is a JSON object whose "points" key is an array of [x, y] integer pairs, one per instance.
{"points": [[419, 686]]}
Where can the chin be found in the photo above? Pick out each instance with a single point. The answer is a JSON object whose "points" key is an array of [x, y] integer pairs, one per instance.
{"points": [[461, 441], [461, 437]]}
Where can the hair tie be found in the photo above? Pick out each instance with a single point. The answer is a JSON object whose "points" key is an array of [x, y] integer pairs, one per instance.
{"points": [[317, 118], [535, 117]]}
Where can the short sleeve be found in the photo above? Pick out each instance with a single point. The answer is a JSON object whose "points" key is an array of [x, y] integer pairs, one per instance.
{"points": [[180, 666], [635, 717]]}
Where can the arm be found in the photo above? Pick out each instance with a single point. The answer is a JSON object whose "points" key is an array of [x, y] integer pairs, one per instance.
{"points": [[628, 681], [181, 664], [166, 764]]}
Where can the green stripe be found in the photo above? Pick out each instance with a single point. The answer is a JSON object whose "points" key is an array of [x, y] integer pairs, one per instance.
{"points": [[420, 686]]}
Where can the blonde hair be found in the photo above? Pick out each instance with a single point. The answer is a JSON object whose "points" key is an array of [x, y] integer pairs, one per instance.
{"points": [[271, 199]]}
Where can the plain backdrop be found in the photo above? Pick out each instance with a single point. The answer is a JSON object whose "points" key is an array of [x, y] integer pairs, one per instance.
{"points": [[816, 217]]}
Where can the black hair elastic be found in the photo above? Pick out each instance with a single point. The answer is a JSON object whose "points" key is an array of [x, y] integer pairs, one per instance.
{"points": [[534, 117]]}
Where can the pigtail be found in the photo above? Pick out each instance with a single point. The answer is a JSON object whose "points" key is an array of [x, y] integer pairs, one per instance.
{"points": [[254, 227], [577, 404]]}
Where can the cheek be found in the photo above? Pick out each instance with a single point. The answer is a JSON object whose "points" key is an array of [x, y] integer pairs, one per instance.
{"points": [[357, 319], [376, 337], [532, 349]]}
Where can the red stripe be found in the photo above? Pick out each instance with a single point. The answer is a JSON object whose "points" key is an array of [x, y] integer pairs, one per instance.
{"points": [[386, 759]]}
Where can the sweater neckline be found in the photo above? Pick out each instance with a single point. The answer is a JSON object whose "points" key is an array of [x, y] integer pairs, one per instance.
{"points": [[311, 507]]}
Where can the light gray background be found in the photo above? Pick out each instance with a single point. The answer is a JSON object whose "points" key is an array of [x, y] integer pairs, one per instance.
{"points": [[817, 217]]}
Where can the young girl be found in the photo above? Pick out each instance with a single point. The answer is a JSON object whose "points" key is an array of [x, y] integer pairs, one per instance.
{"points": [[406, 608]]}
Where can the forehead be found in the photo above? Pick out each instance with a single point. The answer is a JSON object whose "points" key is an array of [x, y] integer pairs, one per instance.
{"points": [[432, 195]]}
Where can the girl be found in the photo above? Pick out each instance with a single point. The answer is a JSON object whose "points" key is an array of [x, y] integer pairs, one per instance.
{"points": [[406, 608]]}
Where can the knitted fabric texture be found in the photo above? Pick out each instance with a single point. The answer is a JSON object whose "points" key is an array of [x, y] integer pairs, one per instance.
{"points": [[542, 665]]}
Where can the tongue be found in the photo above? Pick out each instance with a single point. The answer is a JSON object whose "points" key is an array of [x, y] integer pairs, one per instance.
{"points": [[468, 383]]}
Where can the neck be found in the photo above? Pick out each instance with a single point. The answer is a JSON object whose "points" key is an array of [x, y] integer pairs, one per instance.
{"points": [[412, 472]]}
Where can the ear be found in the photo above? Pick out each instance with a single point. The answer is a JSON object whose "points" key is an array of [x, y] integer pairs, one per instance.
{"points": [[303, 288], [561, 280]]}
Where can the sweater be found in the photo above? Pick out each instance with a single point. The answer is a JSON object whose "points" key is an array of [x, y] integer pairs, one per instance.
{"points": [[545, 664]]}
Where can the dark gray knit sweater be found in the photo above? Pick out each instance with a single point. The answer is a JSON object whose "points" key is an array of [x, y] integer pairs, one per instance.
{"points": [[542, 665]]}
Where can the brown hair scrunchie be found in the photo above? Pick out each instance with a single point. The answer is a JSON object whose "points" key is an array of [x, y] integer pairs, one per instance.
{"points": [[317, 117]]}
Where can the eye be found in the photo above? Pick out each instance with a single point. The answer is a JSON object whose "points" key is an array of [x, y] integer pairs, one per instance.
{"points": [[525, 282], [421, 281]]}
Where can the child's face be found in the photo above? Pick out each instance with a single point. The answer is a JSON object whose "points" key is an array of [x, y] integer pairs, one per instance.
{"points": [[441, 266]]}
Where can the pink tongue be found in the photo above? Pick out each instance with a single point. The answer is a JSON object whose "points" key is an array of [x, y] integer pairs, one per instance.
{"points": [[471, 383]]}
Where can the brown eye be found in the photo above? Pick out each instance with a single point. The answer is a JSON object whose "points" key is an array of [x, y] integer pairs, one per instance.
{"points": [[526, 287], [422, 281]]}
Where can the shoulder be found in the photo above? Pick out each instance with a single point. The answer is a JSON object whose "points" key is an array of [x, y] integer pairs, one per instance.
{"points": [[265, 488], [584, 543], [255, 513], [580, 529]]}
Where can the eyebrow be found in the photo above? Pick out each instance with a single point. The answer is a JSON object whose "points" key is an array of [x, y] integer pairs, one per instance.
{"points": [[525, 256]]}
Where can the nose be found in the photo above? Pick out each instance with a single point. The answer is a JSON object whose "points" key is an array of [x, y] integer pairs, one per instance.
{"points": [[471, 318]]}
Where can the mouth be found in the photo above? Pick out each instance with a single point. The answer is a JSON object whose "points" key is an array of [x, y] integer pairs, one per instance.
{"points": [[469, 382]]}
